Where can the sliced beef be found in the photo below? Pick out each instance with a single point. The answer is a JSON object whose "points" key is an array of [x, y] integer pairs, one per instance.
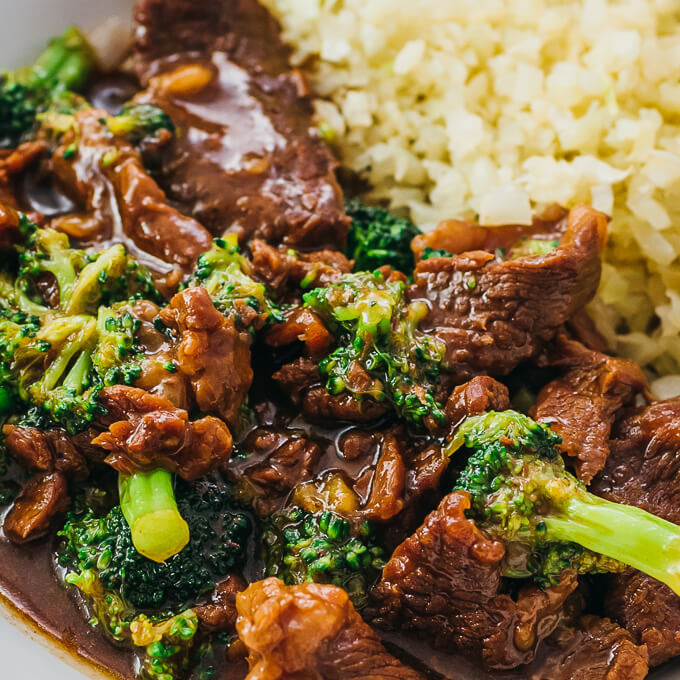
{"points": [[44, 497], [648, 609], [445, 582], [594, 649], [146, 432], [220, 613], [580, 406], [493, 312], [50, 450], [212, 353], [301, 380], [643, 469], [278, 461], [118, 200], [311, 631], [388, 484], [302, 325], [246, 158]]}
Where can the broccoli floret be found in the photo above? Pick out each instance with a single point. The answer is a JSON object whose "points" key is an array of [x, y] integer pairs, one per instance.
{"points": [[376, 327], [218, 536], [54, 353], [429, 253], [140, 122], [48, 84], [300, 546], [227, 276], [522, 494], [377, 237], [168, 640]]}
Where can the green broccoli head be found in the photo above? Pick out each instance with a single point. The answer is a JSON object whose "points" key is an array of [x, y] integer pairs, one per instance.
{"points": [[300, 546], [140, 122], [521, 493], [54, 353], [377, 329], [377, 237], [84, 280], [227, 276], [48, 84], [167, 640], [218, 536]]}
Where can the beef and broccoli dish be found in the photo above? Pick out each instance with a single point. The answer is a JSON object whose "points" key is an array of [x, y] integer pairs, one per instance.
{"points": [[254, 427]]}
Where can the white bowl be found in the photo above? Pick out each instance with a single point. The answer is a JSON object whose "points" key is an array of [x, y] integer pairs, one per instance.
{"points": [[24, 30]]}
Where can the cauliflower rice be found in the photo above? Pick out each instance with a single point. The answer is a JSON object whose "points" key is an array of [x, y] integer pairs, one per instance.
{"points": [[493, 107]]}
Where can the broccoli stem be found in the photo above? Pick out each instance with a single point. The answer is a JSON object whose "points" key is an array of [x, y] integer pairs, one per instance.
{"points": [[147, 500], [622, 532], [66, 63]]}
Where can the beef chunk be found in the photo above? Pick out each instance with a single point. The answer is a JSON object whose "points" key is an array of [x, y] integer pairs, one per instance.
{"points": [[648, 609], [479, 395], [492, 313], [45, 450], [301, 380], [283, 270], [246, 157], [311, 631], [212, 354], [581, 405], [445, 581], [146, 431], [595, 649], [643, 469], [389, 481], [119, 201], [220, 613], [277, 463], [43, 497]]}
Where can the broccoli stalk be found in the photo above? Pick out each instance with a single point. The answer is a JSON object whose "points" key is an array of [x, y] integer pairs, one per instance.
{"points": [[147, 500], [63, 68], [521, 493]]}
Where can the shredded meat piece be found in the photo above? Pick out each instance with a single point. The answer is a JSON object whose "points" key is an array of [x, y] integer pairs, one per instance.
{"points": [[119, 201], [220, 613], [212, 354], [147, 431], [283, 270], [311, 631], [445, 582], [643, 469], [389, 480], [282, 461], [43, 497], [476, 396], [300, 379], [595, 649], [581, 405], [248, 158], [493, 314], [45, 450]]}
